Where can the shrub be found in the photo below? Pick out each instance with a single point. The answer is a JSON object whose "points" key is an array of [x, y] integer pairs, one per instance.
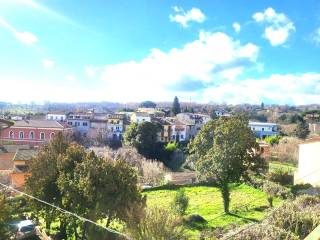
{"points": [[299, 217], [275, 190], [157, 223], [286, 151], [171, 146], [272, 140], [298, 187], [151, 172], [280, 176], [180, 202], [260, 231]]}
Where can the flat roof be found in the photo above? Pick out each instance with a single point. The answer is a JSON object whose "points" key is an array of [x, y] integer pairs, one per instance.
{"points": [[263, 123]]}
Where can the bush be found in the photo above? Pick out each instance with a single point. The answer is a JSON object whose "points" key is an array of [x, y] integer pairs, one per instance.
{"points": [[171, 146], [280, 176], [151, 172], [286, 151], [157, 223], [180, 202], [275, 190], [272, 140], [299, 217], [260, 231], [298, 187]]}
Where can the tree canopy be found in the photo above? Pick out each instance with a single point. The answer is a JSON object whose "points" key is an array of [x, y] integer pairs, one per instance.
{"points": [[144, 138], [176, 106], [70, 177], [148, 104], [224, 150]]}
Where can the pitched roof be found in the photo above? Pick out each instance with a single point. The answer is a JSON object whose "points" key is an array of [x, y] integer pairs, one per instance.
{"points": [[24, 154], [6, 162], [38, 124], [12, 148]]}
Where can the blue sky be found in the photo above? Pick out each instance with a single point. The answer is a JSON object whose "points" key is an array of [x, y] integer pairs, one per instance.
{"points": [[207, 51]]}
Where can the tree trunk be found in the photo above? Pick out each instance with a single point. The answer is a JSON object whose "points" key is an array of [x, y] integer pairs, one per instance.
{"points": [[63, 229], [270, 200], [225, 191]]}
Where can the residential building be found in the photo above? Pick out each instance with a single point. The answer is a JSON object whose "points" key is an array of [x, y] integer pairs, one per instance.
{"points": [[116, 125], [57, 116], [172, 130], [80, 122], [194, 122], [33, 132], [309, 163], [262, 130], [140, 117], [14, 161]]}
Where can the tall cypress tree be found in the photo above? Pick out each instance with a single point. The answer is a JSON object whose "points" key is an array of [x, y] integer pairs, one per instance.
{"points": [[176, 106]]}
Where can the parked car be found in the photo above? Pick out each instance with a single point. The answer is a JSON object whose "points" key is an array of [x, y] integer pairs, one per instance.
{"points": [[25, 229]]}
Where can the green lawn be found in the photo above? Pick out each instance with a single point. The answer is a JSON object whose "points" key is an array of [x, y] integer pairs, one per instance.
{"points": [[282, 166], [207, 202]]}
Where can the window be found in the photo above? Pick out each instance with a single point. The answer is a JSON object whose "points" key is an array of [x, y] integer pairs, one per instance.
{"points": [[52, 135], [181, 136], [118, 122], [31, 135], [21, 135], [262, 129], [173, 137], [84, 124], [42, 136], [70, 123], [117, 128], [11, 134]]}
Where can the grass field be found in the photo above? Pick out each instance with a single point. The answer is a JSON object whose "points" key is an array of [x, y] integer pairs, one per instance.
{"points": [[207, 202], [282, 166]]}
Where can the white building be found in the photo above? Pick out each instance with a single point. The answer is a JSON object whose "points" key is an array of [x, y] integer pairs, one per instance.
{"points": [[115, 125], [140, 117], [262, 129], [61, 117], [80, 122], [309, 163]]}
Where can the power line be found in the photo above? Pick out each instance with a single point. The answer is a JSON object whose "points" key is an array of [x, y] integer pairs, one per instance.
{"points": [[249, 226], [65, 211]]}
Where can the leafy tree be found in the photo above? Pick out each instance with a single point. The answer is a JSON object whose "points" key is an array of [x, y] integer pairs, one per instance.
{"points": [[5, 216], [274, 190], [224, 150], [148, 104], [144, 138], [302, 130], [176, 106], [180, 202], [68, 176]]}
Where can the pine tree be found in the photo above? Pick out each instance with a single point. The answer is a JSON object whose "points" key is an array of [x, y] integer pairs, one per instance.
{"points": [[176, 106]]}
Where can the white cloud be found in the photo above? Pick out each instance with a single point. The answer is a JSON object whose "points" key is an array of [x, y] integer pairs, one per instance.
{"points": [[47, 63], [237, 27], [183, 18], [27, 38], [296, 89], [213, 57], [315, 36], [278, 26], [70, 77], [91, 71]]}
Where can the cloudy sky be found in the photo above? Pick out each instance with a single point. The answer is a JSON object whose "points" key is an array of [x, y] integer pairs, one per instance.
{"points": [[235, 51]]}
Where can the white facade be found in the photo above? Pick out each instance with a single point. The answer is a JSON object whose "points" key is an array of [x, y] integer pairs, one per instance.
{"points": [[115, 125], [309, 163], [262, 130], [140, 117], [80, 122], [56, 116]]}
